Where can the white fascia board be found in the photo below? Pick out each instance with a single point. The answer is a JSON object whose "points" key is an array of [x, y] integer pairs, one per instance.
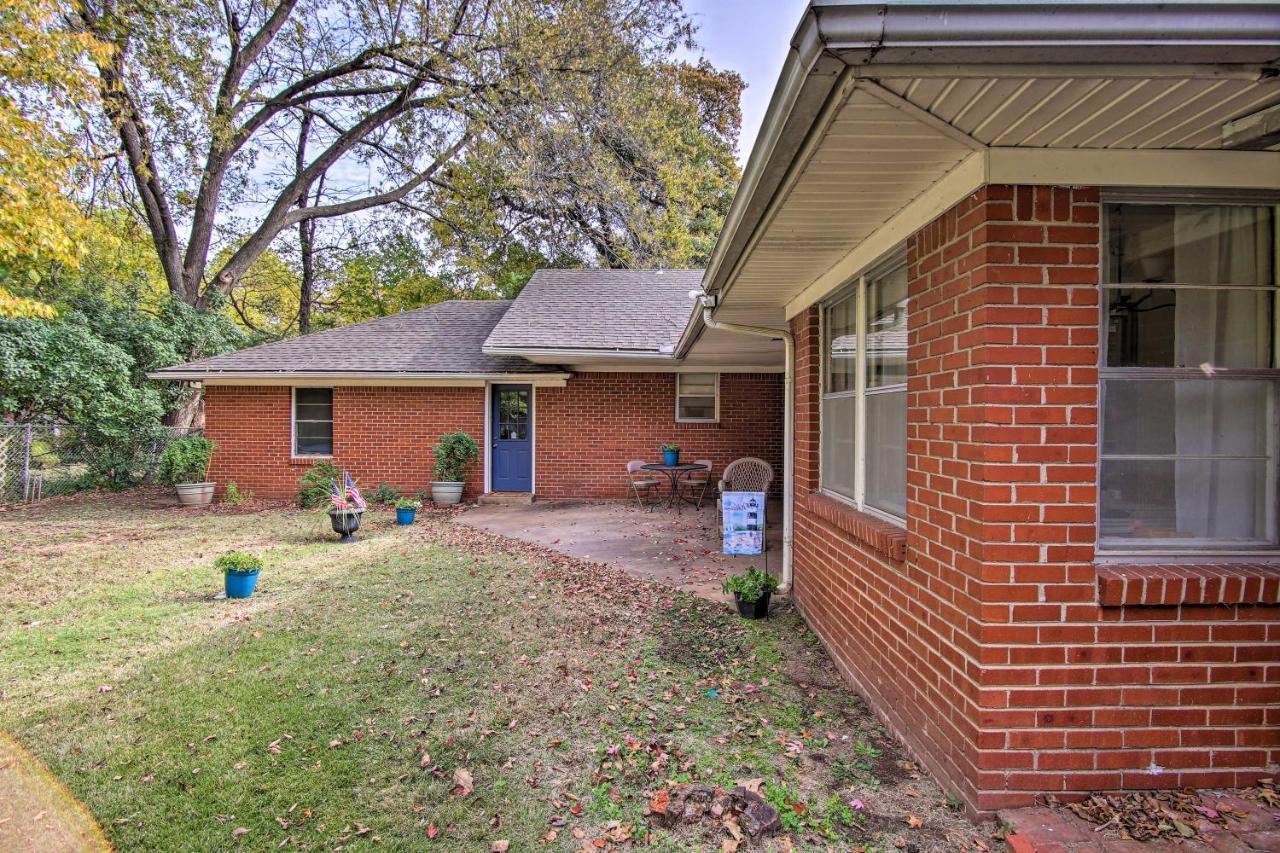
{"points": [[292, 378]]}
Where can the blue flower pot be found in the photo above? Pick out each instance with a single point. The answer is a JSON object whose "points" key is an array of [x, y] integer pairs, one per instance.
{"points": [[671, 457], [241, 584], [405, 516]]}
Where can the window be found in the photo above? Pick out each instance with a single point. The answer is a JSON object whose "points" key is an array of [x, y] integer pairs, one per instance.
{"points": [[864, 399], [1189, 424], [313, 421], [697, 397]]}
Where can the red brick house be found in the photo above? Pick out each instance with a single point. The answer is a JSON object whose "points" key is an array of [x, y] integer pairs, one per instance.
{"points": [[1041, 537], [562, 387]]}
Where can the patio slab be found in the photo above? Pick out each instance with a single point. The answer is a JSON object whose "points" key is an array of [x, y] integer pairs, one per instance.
{"points": [[681, 550]]}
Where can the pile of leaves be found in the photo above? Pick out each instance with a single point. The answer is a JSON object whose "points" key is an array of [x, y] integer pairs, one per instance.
{"points": [[1156, 815], [742, 812]]}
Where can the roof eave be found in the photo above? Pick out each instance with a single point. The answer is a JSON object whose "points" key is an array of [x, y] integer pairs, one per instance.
{"points": [[836, 38], [575, 352], [328, 375]]}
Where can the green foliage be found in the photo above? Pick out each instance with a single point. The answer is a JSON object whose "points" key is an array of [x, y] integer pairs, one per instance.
{"points": [[234, 497], [453, 452], [384, 495], [185, 460], [779, 797], [752, 585], [406, 503], [315, 484], [669, 447], [238, 562]]}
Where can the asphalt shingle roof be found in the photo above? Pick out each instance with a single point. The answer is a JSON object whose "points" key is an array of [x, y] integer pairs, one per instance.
{"points": [[593, 309], [441, 338]]}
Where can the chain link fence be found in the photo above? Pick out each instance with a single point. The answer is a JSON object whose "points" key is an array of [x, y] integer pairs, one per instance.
{"points": [[45, 460]]}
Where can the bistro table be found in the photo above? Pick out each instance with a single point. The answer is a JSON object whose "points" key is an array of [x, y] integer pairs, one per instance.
{"points": [[674, 473]]}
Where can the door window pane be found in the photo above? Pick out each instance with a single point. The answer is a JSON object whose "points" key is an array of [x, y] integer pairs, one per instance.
{"points": [[1191, 244], [513, 415], [887, 452]]}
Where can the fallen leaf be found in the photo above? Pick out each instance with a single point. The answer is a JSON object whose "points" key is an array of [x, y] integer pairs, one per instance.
{"points": [[335, 743], [500, 846], [914, 822], [432, 832], [239, 831], [658, 805], [729, 845], [463, 784], [425, 761]]}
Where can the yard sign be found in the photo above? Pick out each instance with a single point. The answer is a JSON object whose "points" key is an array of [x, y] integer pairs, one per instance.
{"points": [[743, 522]]}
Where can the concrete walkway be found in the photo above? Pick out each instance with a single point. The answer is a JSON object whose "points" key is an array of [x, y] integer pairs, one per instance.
{"points": [[681, 550], [37, 813]]}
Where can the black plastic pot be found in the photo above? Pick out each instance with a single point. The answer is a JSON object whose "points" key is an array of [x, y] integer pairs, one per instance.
{"points": [[346, 522], [758, 609]]}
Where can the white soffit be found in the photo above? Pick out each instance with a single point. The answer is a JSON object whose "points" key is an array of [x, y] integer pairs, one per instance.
{"points": [[901, 149]]}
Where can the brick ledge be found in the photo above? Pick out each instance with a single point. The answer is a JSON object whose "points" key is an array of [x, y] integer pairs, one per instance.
{"points": [[876, 533], [1209, 583]]}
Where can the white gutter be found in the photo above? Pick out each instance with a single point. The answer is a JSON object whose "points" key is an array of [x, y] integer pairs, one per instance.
{"points": [[788, 418], [317, 375]]}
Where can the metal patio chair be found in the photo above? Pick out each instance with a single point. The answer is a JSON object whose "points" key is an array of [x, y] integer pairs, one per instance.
{"points": [[642, 483], [697, 481]]}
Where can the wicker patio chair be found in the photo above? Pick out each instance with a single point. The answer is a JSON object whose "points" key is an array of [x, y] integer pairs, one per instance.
{"points": [[747, 474], [642, 486], [697, 481]]}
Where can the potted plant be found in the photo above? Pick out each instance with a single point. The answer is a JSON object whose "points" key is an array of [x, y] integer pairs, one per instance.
{"points": [[751, 592], [670, 453], [453, 452], [346, 506], [406, 509], [184, 465], [240, 572]]}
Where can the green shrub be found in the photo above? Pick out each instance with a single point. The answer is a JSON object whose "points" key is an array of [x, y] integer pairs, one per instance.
{"points": [[315, 484], [385, 495], [669, 447], [751, 586], [185, 460], [234, 496], [453, 452], [405, 503], [238, 562]]}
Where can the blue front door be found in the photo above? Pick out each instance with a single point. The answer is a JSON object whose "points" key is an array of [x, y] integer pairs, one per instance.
{"points": [[511, 431]]}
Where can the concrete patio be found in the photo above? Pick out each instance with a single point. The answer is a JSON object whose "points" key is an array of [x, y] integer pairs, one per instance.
{"points": [[682, 550]]}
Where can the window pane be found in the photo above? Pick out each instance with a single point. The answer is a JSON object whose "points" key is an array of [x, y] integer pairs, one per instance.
{"points": [[702, 384], [316, 396], [1187, 418], [887, 332], [1191, 244], [1185, 503], [836, 442], [697, 408], [1189, 328], [887, 452], [841, 345], [314, 413], [314, 438], [513, 415]]}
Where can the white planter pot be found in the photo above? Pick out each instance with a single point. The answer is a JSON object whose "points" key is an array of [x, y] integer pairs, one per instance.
{"points": [[444, 492], [195, 494]]}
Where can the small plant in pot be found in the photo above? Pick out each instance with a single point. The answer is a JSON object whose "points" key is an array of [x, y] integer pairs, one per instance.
{"points": [[670, 453], [240, 572], [346, 506], [454, 452], [751, 592], [406, 509], [185, 465]]}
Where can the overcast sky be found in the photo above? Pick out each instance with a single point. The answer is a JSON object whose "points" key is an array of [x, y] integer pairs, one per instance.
{"points": [[751, 37]]}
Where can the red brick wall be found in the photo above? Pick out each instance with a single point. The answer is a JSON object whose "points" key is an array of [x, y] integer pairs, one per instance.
{"points": [[379, 434], [989, 648], [584, 433], [588, 431]]}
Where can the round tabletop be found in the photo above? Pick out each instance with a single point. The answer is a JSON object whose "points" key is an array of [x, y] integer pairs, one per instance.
{"points": [[683, 466]]}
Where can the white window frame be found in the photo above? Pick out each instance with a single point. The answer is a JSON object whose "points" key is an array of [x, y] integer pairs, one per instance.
{"points": [[1195, 549], [858, 288], [293, 421], [711, 420]]}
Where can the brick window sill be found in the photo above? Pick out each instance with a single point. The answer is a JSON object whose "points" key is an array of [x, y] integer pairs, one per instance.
{"points": [[308, 460], [877, 534], [1209, 583]]}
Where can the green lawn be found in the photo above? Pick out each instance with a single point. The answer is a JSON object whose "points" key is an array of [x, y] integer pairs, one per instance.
{"points": [[347, 703]]}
